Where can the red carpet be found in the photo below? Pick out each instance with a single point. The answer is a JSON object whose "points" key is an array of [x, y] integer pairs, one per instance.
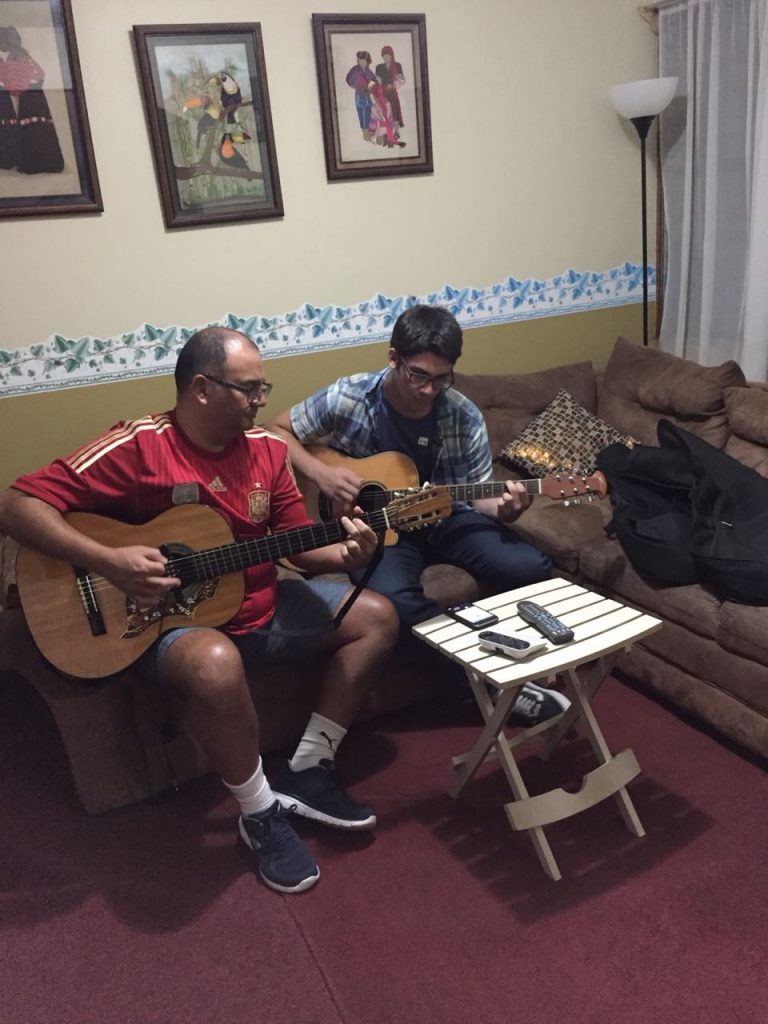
{"points": [[152, 915]]}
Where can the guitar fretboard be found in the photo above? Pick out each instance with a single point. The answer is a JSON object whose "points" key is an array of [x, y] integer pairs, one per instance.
{"points": [[195, 566], [375, 497]]}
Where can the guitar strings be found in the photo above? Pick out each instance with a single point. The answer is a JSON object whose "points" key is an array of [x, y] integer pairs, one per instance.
{"points": [[95, 584], [236, 556]]}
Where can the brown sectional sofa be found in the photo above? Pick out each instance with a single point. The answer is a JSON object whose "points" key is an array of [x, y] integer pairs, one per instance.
{"points": [[125, 741], [711, 658]]}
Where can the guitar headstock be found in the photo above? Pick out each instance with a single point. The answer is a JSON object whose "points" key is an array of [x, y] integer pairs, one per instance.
{"points": [[421, 508], [574, 489]]}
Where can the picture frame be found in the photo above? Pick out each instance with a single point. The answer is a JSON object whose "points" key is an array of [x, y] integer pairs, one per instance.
{"points": [[207, 105], [375, 112], [47, 164]]}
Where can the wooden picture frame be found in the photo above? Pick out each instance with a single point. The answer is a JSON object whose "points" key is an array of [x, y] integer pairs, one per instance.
{"points": [[207, 106], [47, 164], [374, 94]]}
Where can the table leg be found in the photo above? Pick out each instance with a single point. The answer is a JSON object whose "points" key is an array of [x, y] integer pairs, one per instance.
{"points": [[493, 736], [582, 693], [495, 716], [597, 675]]}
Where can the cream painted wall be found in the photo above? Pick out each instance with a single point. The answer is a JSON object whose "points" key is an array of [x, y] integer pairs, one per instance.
{"points": [[534, 173]]}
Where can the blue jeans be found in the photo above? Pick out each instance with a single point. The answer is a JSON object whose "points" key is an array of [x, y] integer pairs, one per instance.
{"points": [[490, 551]]}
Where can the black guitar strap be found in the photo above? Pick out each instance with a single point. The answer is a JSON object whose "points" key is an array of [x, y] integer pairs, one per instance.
{"points": [[339, 616], [360, 585]]}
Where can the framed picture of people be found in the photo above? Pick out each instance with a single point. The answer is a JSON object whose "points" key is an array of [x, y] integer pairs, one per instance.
{"points": [[46, 155], [374, 94], [207, 106]]}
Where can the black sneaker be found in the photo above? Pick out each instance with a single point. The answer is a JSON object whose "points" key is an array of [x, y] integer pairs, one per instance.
{"points": [[537, 704], [315, 793], [284, 861]]}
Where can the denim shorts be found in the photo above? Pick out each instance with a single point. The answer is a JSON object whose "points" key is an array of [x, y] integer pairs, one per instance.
{"points": [[303, 618]]}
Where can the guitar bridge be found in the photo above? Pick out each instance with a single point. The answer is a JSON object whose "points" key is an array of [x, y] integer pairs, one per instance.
{"points": [[92, 611]]}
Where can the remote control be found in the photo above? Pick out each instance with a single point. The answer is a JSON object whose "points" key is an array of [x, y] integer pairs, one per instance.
{"points": [[511, 644], [545, 622]]}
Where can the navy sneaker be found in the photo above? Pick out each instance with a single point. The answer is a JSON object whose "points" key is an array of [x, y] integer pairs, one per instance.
{"points": [[537, 704], [284, 862], [315, 793]]}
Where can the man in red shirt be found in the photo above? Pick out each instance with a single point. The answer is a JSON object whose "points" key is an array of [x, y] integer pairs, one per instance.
{"points": [[207, 450]]}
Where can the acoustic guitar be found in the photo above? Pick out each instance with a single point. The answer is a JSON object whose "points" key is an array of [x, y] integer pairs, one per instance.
{"points": [[391, 475], [88, 628]]}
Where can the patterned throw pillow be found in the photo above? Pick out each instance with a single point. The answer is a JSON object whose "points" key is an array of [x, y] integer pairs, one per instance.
{"points": [[564, 437]]}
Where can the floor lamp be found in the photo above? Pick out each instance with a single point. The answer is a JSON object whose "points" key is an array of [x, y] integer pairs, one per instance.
{"points": [[641, 102]]}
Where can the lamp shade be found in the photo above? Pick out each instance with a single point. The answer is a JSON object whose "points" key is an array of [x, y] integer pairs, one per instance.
{"points": [[645, 98]]}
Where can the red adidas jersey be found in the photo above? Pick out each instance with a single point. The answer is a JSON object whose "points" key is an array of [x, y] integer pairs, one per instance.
{"points": [[140, 468]]}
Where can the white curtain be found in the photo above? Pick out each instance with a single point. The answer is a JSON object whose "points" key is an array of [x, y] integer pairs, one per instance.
{"points": [[714, 157]]}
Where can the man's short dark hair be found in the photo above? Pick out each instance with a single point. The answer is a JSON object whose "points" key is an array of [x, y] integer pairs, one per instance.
{"points": [[204, 352], [427, 329]]}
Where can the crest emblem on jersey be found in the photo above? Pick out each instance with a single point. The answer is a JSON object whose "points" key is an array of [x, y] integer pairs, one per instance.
{"points": [[258, 506]]}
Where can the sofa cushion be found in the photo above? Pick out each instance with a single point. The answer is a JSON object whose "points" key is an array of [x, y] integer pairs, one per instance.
{"points": [[564, 436], [604, 565], [744, 630], [562, 531], [510, 401], [747, 410], [642, 384]]}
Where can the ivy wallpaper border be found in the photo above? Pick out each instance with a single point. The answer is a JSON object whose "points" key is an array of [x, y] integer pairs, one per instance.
{"points": [[60, 362]]}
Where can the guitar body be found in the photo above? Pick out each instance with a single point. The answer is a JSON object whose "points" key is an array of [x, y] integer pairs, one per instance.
{"points": [[386, 475], [88, 628], [53, 603]]}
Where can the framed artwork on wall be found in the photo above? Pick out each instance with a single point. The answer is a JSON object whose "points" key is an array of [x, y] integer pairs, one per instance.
{"points": [[374, 94], [207, 105], [46, 155]]}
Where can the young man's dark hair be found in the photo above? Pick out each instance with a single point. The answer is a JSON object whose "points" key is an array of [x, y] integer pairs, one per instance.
{"points": [[427, 329]]}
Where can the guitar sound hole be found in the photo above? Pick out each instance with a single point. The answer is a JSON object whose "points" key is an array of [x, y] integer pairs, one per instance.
{"points": [[371, 498], [184, 568]]}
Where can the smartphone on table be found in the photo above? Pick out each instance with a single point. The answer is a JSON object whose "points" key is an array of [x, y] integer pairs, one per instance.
{"points": [[472, 615]]}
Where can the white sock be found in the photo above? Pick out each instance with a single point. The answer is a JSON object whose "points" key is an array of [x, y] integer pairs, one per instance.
{"points": [[321, 739], [255, 794]]}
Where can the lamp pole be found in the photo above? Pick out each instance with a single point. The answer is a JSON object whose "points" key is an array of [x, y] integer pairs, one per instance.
{"points": [[642, 125], [640, 102]]}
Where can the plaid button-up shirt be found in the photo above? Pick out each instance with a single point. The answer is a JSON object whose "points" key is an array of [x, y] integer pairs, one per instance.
{"points": [[343, 415]]}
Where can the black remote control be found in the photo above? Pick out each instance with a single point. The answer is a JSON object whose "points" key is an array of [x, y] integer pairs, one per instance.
{"points": [[545, 622]]}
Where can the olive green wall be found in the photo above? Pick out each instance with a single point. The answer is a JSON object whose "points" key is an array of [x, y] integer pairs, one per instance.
{"points": [[36, 428]]}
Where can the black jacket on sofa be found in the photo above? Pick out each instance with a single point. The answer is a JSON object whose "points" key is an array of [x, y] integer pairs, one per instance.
{"points": [[686, 512]]}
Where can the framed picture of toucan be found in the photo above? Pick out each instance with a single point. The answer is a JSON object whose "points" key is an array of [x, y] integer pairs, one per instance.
{"points": [[207, 105], [46, 155], [374, 94]]}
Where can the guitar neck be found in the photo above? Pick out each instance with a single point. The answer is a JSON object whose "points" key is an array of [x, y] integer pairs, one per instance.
{"points": [[195, 566], [490, 489], [468, 492]]}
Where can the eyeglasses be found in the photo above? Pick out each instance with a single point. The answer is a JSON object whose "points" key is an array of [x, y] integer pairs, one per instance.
{"points": [[253, 392], [419, 379]]}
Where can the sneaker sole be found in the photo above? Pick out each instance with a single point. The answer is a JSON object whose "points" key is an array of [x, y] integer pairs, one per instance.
{"points": [[302, 886], [291, 803], [558, 697]]}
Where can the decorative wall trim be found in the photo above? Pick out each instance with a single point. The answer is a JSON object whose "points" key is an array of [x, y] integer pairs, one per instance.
{"points": [[151, 351]]}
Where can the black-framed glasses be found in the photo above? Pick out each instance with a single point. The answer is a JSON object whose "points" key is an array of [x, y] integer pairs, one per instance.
{"points": [[253, 392], [419, 379]]}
